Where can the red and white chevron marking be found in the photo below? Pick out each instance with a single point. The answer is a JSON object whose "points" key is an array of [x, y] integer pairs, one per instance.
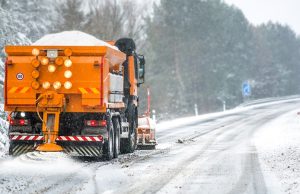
{"points": [[80, 138], [26, 137]]}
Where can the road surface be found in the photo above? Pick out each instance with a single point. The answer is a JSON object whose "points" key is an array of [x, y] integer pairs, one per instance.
{"points": [[210, 154]]}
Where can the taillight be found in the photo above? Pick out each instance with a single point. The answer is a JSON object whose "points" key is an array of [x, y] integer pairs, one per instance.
{"points": [[95, 123], [22, 121], [19, 122], [103, 123]]}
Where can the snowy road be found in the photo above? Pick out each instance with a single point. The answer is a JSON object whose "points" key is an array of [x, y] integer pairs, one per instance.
{"points": [[233, 152]]}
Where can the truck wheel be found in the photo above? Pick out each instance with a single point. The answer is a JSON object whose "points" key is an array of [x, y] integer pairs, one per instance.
{"points": [[108, 149], [116, 124], [132, 139], [129, 144], [10, 150]]}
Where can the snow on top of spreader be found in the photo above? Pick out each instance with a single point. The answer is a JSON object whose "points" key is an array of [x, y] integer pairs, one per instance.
{"points": [[71, 38]]}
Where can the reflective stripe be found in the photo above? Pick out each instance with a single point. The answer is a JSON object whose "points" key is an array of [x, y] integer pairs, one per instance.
{"points": [[72, 138], [13, 89], [88, 138], [82, 90], [79, 138], [89, 90], [95, 90], [24, 90], [26, 137]]}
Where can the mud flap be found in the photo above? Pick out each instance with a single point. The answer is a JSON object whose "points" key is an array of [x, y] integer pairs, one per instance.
{"points": [[82, 149], [22, 147]]}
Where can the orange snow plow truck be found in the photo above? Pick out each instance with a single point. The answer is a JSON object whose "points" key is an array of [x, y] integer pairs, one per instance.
{"points": [[81, 100]]}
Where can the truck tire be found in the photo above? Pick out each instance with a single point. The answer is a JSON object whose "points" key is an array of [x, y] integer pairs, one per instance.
{"points": [[108, 147], [10, 149], [129, 144], [116, 125]]}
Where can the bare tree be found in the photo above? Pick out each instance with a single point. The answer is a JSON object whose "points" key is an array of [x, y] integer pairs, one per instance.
{"points": [[112, 19], [70, 15], [104, 19]]}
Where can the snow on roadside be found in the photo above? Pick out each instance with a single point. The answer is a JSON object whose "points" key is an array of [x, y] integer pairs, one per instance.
{"points": [[35, 171], [71, 38], [278, 146], [3, 132], [189, 120]]}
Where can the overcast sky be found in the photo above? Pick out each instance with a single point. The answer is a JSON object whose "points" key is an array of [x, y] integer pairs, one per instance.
{"points": [[261, 11]]}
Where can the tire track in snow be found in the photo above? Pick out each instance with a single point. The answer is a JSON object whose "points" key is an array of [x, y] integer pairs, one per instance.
{"points": [[160, 182], [259, 182], [73, 182]]}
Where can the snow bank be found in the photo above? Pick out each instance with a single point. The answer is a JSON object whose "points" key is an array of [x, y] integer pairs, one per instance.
{"points": [[71, 38], [278, 146], [163, 125], [42, 172]]}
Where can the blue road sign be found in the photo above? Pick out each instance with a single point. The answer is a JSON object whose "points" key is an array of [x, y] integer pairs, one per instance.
{"points": [[246, 89]]}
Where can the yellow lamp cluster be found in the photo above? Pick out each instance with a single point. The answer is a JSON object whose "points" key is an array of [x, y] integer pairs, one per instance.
{"points": [[52, 67]]}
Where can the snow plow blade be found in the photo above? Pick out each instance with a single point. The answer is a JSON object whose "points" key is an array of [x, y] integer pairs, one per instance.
{"points": [[147, 146], [146, 134]]}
